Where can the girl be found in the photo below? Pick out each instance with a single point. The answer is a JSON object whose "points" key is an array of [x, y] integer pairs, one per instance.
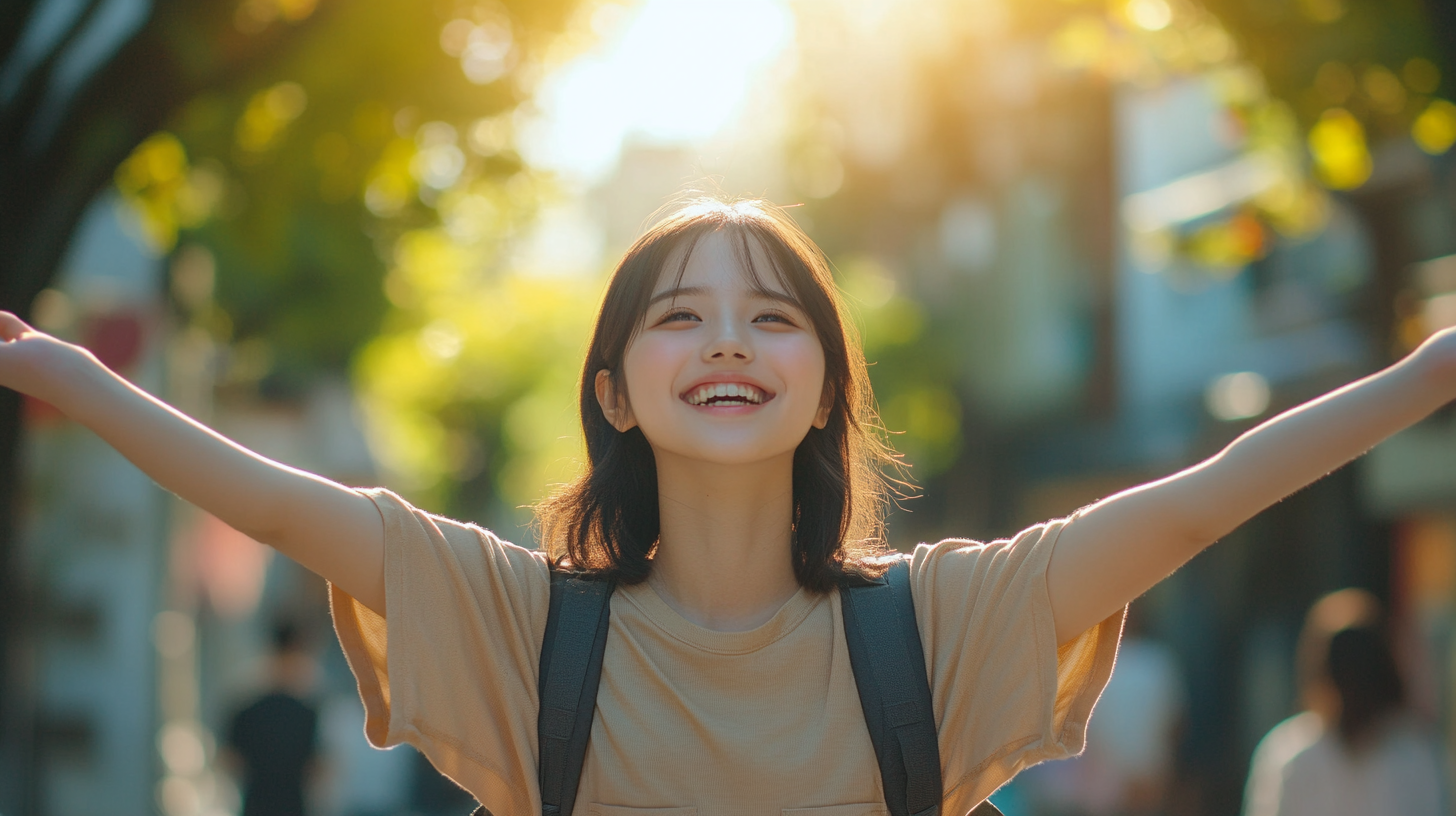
{"points": [[732, 482]]}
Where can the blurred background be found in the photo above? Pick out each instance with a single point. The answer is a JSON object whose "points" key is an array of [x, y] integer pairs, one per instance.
{"points": [[1087, 242]]}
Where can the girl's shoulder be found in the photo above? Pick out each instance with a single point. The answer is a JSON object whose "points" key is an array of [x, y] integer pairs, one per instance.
{"points": [[423, 537], [1031, 547]]}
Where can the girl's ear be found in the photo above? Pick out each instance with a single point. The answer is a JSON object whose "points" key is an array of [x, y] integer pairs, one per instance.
{"points": [[826, 404], [614, 405]]}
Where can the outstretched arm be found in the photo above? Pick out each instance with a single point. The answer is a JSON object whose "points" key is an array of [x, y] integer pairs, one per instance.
{"points": [[1122, 545], [327, 527]]}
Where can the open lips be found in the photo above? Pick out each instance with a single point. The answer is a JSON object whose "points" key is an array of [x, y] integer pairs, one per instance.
{"points": [[725, 394]]}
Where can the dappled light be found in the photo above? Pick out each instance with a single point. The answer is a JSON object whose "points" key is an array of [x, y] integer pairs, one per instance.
{"points": [[1083, 244]]}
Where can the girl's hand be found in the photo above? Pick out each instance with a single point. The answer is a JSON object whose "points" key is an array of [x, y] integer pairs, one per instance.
{"points": [[332, 530], [37, 364], [1437, 358]]}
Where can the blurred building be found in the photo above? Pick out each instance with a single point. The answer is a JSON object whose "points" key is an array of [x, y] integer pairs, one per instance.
{"points": [[1039, 221], [147, 619], [94, 557], [1198, 356], [1200, 360]]}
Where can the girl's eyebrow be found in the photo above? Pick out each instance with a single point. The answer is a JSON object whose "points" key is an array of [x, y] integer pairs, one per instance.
{"points": [[690, 291], [677, 292]]}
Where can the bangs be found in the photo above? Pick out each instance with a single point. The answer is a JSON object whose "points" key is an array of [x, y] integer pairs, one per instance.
{"points": [[783, 265]]}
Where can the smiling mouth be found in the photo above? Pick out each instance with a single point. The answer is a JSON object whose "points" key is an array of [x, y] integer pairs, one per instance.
{"points": [[726, 395]]}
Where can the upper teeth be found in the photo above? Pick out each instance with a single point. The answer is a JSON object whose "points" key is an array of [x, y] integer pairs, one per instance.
{"points": [[739, 391]]}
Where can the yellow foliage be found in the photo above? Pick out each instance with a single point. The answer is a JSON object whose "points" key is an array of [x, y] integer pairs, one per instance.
{"points": [[390, 183], [1341, 157], [464, 346], [929, 419], [1228, 245], [1435, 129], [900, 322], [268, 113], [293, 10], [165, 191], [157, 161], [1421, 75], [1383, 87], [544, 431], [1295, 207], [430, 263], [1149, 15], [1082, 42], [1323, 11], [253, 16]]}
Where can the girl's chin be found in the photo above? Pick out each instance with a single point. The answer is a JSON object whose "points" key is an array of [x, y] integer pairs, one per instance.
{"points": [[728, 453]]}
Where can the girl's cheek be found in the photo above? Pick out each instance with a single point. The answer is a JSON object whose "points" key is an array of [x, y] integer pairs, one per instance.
{"points": [[801, 359], [652, 354], [651, 364]]}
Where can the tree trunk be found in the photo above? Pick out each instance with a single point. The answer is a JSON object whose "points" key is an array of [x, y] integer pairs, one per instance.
{"points": [[47, 181], [14, 756]]}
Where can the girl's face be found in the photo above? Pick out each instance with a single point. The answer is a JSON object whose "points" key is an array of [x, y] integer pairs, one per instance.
{"points": [[721, 371]]}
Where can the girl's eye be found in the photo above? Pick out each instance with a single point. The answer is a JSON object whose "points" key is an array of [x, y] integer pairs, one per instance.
{"points": [[677, 315], [775, 317]]}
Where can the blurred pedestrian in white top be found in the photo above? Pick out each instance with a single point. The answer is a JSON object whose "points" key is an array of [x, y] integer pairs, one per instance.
{"points": [[1355, 749]]}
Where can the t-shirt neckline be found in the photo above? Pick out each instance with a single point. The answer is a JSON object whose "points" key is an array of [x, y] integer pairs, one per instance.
{"points": [[661, 614]]}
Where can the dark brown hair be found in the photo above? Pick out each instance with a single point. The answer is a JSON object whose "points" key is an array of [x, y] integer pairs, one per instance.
{"points": [[1363, 671], [606, 522], [1343, 644]]}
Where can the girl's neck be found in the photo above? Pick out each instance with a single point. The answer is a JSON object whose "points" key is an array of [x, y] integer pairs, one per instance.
{"points": [[723, 560]]}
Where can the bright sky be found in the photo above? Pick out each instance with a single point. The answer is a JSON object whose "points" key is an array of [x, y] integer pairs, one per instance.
{"points": [[666, 72]]}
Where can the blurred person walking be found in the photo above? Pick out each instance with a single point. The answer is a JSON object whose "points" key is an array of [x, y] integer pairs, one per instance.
{"points": [[273, 741], [1356, 748]]}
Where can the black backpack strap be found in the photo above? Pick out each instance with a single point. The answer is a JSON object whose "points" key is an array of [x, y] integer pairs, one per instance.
{"points": [[571, 670], [894, 690], [889, 669]]}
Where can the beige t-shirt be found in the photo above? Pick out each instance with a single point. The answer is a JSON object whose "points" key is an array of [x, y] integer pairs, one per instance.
{"points": [[694, 722]]}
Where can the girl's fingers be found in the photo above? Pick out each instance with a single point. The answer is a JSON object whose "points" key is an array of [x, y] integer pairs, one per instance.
{"points": [[12, 327]]}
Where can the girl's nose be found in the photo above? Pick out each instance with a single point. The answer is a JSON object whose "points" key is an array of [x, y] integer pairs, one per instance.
{"points": [[728, 344]]}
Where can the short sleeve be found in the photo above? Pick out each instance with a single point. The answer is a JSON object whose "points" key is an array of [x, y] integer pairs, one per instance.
{"points": [[451, 667], [1006, 695]]}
